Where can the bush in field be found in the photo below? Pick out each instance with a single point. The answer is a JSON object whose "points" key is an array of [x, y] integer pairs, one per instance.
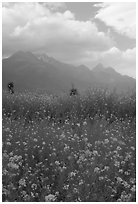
{"points": [[66, 148], [73, 91], [11, 87]]}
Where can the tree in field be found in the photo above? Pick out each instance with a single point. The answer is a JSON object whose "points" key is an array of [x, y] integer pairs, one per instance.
{"points": [[11, 87]]}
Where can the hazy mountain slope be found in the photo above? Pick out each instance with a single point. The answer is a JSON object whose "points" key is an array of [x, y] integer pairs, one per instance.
{"points": [[113, 79], [81, 73], [39, 71]]}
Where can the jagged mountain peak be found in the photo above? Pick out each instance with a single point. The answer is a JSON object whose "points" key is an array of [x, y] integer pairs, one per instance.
{"points": [[45, 58], [24, 55], [83, 67], [21, 53], [99, 67], [110, 69]]}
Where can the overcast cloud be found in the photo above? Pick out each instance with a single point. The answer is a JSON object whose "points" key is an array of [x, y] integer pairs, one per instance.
{"points": [[53, 29], [120, 16]]}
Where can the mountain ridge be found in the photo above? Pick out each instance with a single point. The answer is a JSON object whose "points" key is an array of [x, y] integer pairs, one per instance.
{"points": [[31, 71]]}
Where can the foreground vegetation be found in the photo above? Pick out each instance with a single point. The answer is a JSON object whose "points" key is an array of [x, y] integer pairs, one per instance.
{"points": [[79, 148]]}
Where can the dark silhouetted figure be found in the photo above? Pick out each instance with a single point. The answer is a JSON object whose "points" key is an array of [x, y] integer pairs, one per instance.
{"points": [[73, 91], [11, 87]]}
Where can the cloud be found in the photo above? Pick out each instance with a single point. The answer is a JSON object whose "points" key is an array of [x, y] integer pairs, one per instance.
{"points": [[33, 26], [123, 61], [37, 27], [55, 6], [120, 16]]}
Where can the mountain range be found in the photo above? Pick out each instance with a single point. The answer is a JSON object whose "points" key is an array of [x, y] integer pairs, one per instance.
{"points": [[33, 71]]}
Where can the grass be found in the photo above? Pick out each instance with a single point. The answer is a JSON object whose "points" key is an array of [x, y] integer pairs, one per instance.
{"points": [[79, 148]]}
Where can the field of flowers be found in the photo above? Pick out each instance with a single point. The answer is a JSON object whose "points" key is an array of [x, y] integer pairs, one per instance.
{"points": [[61, 148]]}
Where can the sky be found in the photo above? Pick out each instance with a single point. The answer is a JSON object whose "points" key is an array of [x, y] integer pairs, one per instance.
{"points": [[73, 32]]}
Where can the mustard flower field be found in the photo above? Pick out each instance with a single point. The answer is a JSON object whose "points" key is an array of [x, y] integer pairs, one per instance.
{"points": [[69, 149]]}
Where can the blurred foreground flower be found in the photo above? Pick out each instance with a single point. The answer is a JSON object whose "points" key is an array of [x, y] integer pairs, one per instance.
{"points": [[50, 198]]}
